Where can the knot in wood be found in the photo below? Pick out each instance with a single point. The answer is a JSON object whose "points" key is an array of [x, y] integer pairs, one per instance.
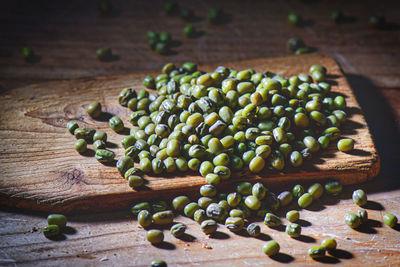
{"points": [[73, 176]]}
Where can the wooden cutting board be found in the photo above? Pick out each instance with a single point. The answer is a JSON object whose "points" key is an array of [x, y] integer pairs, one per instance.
{"points": [[40, 169]]}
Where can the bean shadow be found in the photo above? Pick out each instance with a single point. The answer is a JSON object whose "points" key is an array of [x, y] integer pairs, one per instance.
{"points": [[328, 259], [143, 187], [280, 228], [242, 233], [341, 254], [347, 20], [379, 115], [358, 152], [305, 239], [316, 206], [60, 237], [187, 238], [352, 125], [333, 82], [165, 245], [163, 227], [372, 205], [125, 131], [219, 235], [366, 229], [110, 58], [104, 116], [282, 257], [264, 237], [111, 145], [303, 223], [331, 77], [110, 164], [374, 223], [330, 200], [88, 153], [68, 230], [34, 59], [396, 227]]}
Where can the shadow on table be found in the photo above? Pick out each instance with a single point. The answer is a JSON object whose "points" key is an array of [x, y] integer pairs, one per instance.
{"points": [[382, 124], [282, 257]]}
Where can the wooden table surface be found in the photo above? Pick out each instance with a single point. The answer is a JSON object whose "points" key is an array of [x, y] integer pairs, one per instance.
{"points": [[65, 36]]}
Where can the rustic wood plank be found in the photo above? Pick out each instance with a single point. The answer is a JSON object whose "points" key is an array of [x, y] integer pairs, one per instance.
{"points": [[66, 33], [40, 169], [114, 239]]}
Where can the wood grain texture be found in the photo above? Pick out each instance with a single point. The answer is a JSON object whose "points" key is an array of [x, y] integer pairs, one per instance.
{"points": [[41, 170], [114, 239], [65, 35]]}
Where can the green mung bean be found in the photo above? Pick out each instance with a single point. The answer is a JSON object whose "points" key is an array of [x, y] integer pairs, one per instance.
{"points": [[57, 219], [389, 219], [271, 248]]}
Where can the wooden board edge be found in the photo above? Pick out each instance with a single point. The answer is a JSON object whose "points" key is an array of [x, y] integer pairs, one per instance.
{"points": [[125, 200]]}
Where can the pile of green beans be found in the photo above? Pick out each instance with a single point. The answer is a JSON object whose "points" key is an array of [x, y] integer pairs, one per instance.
{"points": [[218, 123], [227, 120]]}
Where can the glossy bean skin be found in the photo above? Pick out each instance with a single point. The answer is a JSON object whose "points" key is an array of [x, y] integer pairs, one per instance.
{"points": [[272, 220], [51, 231], [329, 244], [57, 219], [178, 230], [292, 216], [352, 220], [359, 197], [180, 202], [145, 218], [271, 248], [208, 226], [94, 109], [316, 252], [389, 219], [155, 236], [293, 230], [305, 200], [345, 144], [158, 263], [253, 229], [234, 224]]}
